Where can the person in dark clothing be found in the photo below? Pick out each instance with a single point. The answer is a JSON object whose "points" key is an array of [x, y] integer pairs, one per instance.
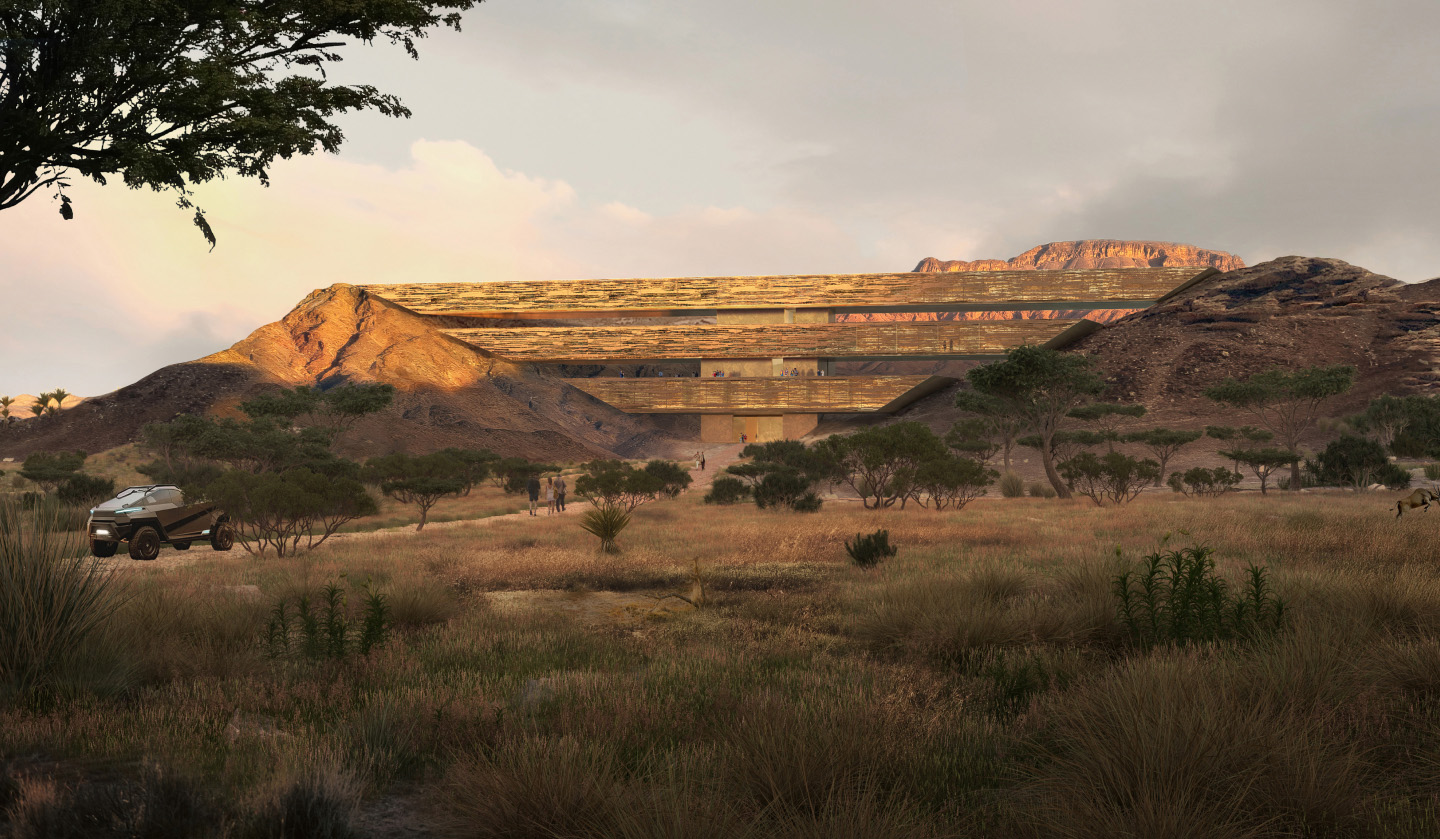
{"points": [[560, 487], [702, 461], [532, 486]]}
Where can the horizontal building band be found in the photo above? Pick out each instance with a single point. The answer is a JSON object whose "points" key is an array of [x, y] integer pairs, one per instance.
{"points": [[762, 395], [853, 292], [930, 339]]}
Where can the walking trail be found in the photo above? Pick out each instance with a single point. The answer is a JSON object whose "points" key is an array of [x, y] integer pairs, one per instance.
{"points": [[717, 457]]}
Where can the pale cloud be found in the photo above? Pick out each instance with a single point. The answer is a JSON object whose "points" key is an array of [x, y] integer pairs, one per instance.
{"points": [[129, 285]]}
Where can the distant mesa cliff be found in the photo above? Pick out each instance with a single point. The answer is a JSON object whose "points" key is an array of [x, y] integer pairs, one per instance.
{"points": [[1076, 255], [1094, 253]]}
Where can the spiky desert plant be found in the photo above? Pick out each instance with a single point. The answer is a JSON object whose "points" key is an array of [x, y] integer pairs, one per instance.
{"points": [[606, 521], [5, 403], [868, 551], [52, 594]]}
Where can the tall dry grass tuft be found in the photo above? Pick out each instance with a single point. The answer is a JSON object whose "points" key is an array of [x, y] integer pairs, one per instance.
{"points": [[533, 786], [52, 595], [1182, 745], [799, 759]]}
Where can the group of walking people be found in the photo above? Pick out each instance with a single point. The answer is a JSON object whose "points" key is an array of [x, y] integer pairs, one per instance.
{"points": [[554, 494]]}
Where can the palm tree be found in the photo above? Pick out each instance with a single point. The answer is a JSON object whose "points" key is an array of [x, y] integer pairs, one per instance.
{"points": [[38, 408], [5, 403], [44, 401], [59, 394]]}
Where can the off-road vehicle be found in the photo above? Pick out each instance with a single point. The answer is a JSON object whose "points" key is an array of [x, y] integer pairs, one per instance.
{"points": [[149, 516]]}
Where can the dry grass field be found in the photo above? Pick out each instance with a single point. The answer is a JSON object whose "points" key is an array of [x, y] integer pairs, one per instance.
{"points": [[980, 683]]}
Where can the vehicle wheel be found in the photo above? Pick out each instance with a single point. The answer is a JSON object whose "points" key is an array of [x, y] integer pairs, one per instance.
{"points": [[180, 546], [103, 549], [145, 544], [223, 538]]}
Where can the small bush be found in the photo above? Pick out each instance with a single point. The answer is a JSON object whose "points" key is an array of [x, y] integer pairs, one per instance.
{"points": [[807, 503], [1039, 490], [1205, 482], [727, 490], [1175, 597], [868, 551], [1432, 471], [606, 522], [1012, 485]]}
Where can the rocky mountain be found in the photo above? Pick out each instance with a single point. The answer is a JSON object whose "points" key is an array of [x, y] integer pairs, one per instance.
{"points": [[1076, 255], [448, 393], [1289, 312]]}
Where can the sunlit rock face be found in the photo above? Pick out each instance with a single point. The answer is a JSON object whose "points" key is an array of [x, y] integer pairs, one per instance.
{"points": [[1076, 255], [1095, 253]]}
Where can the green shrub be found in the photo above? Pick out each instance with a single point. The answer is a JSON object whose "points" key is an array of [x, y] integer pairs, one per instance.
{"points": [[1205, 482], [1175, 597], [727, 490], [86, 490], [606, 521], [1432, 471], [1040, 490], [781, 488], [1012, 485], [1357, 462], [807, 503], [1114, 477], [52, 594], [868, 551]]}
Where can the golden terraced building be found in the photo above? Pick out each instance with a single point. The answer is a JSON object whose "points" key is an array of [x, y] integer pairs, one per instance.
{"points": [[767, 363]]}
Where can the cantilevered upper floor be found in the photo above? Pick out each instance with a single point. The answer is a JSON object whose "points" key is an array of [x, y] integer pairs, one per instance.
{"points": [[1116, 288], [978, 339]]}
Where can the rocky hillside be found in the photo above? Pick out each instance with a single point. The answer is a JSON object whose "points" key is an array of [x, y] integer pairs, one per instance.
{"points": [[1288, 312], [449, 394]]}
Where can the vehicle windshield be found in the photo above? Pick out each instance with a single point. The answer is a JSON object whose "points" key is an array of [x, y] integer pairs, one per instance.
{"points": [[140, 497], [132, 497]]}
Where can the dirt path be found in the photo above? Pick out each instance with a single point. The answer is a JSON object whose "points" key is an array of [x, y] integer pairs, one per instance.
{"points": [[717, 457]]}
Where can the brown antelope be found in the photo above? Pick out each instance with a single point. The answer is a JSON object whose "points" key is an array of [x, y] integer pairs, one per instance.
{"points": [[1419, 498]]}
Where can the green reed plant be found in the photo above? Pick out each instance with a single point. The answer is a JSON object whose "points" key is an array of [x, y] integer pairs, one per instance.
{"points": [[327, 631], [52, 593], [1012, 485], [1432, 471], [868, 551], [1176, 597]]}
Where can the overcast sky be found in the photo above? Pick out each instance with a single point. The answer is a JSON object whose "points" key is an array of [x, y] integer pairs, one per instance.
{"points": [[610, 138]]}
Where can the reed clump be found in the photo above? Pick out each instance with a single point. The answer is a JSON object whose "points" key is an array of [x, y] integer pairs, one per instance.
{"points": [[53, 595]]}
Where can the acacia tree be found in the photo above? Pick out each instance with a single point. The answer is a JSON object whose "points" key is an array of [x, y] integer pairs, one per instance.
{"points": [[1040, 386], [1262, 462], [1383, 419], [1285, 402], [167, 95], [999, 421], [421, 480], [1106, 417], [1249, 434], [1163, 443]]}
